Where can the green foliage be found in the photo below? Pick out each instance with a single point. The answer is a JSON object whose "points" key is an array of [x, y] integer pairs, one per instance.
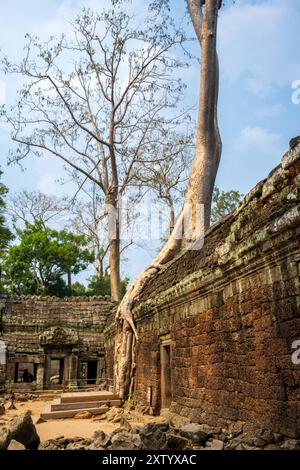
{"points": [[36, 265], [101, 286], [5, 233], [223, 202], [78, 289], [58, 288]]}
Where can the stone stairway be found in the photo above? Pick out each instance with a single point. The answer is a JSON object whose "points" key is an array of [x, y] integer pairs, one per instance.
{"points": [[69, 404], [35, 394]]}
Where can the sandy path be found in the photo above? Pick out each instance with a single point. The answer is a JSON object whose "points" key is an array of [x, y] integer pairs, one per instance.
{"points": [[57, 427], [54, 428], [72, 428]]}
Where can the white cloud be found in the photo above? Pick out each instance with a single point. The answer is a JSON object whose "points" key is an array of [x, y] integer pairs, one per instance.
{"points": [[258, 140], [69, 9], [2, 92], [296, 93], [259, 86], [260, 44], [272, 111]]}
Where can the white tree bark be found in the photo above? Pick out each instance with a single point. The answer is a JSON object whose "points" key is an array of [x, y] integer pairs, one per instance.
{"points": [[204, 15]]}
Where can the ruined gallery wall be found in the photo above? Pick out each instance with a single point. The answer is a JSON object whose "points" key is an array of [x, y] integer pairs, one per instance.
{"points": [[24, 319], [231, 312], [2, 375], [33, 314], [109, 342]]}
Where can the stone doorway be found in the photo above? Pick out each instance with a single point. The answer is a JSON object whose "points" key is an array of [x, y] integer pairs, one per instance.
{"points": [[92, 372], [166, 373], [57, 371]]}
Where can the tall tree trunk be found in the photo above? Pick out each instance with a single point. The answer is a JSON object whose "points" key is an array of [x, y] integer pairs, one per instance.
{"points": [[114, 263], [69, 281], [99, 268], [171, 214], [114, 248], [204, 15], [208, 141]]}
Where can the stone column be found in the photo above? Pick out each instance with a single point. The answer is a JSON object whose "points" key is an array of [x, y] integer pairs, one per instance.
{"points": [[73, 368], [98, 378], [2, 375], [3, 360], [40, 374], [10, 369], [47, 372]]}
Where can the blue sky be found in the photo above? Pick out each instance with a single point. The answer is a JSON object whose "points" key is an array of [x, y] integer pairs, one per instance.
{"points": [[259, 50]]}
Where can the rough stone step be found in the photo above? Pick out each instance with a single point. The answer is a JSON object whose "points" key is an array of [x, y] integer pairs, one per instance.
{"points": [[48, 414], [56, 405], [76, 397]]}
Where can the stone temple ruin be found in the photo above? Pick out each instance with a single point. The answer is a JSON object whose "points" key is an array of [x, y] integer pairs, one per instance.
{"points": [[54, 343], [216, 327]]}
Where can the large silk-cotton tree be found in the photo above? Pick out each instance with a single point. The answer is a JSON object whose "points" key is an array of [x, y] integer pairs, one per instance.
{"points": [[204, 16]]}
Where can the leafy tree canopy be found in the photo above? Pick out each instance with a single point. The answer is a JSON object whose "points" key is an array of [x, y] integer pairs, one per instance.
{"points": [[101, 286], [37, 264], [78, 289], [96, 286], [5, 233], [223, 202]]}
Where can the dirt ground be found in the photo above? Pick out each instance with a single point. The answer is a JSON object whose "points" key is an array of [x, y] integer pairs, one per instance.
{"points": [[55, 428]]}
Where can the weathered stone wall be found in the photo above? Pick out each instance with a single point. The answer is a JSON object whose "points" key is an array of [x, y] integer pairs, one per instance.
{"points": [[32, 315], [33, 326], [2, 376], [109, 342], [232, 312]]}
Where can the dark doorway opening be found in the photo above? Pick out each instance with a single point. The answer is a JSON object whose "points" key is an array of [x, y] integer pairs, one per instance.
{"points": [[16, 372], [92, 372], [57, 371], [25, 372], [166, 376]]}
